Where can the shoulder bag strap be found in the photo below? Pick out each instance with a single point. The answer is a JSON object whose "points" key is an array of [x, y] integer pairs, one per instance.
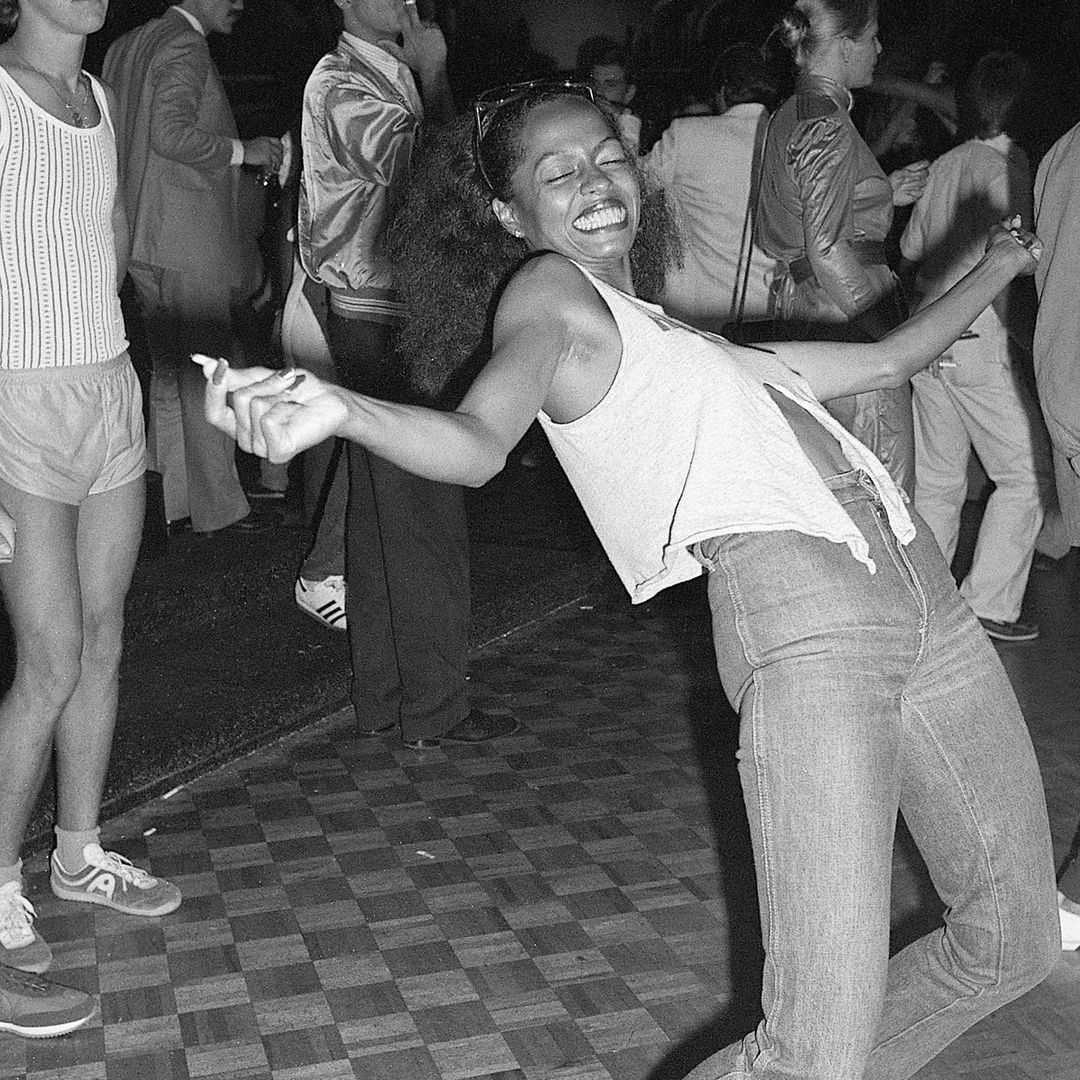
{"points": [[746, 243]]}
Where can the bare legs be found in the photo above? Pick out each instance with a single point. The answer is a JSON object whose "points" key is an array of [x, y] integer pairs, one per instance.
{"points": [[64, 593]]}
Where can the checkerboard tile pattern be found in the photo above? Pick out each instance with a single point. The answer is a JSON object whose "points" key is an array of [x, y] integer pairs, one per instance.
{"points": [[573, 903]]}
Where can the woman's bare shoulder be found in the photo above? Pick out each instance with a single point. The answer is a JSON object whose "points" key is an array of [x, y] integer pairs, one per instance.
{"points": [[549, 273], [550, 288], [552, 306]]}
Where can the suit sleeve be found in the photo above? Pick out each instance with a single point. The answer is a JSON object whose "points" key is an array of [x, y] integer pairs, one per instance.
{"points": [[661, 159], [823, 161], [179, 80], [1057, 330]]}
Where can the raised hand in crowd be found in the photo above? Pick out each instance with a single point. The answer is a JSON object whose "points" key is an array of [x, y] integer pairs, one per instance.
{"points": [[909, 183], [423, 46]]}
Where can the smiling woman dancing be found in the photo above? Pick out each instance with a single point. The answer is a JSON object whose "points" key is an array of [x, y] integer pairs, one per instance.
{"points": [[864, 683]]}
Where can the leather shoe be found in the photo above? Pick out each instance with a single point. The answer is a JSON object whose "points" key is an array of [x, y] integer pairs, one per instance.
{"points": [[477, 727], [371, 732], [422, 744], [249, 524]]}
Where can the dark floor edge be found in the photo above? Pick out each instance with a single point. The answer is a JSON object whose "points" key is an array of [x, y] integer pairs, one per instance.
{"points": [[40, 838], [534, 621]]}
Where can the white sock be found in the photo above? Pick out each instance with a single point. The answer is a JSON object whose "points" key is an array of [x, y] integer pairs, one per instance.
{"points": [[69, 847]]}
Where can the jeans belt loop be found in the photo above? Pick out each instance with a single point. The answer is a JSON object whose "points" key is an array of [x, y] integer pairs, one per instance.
{"points": [[866, 481]]}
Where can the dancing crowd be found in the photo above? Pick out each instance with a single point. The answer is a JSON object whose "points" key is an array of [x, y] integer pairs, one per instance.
{"points": [[746, 366]]}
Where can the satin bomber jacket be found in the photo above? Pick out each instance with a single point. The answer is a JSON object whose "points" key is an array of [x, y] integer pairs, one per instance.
{"points": [[360, 118], [821, 190]]}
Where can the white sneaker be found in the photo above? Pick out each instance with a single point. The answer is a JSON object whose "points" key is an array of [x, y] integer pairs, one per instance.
{"points": [[21, 946], [111, 880], [323, 600], [1069, 914]]}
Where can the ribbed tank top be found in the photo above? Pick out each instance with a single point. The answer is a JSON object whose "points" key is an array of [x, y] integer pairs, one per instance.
{"points": [[688, 443], [58, 292]]}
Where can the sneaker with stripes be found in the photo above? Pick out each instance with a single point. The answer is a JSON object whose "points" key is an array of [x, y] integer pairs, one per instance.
{"points": [[323, 600]]}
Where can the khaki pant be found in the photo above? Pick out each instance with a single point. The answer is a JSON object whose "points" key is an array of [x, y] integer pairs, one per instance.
{"points": [[186, 314]]}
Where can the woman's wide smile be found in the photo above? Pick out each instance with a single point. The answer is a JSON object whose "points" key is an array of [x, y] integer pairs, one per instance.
{"points": [[575, 191], [609, 214]]}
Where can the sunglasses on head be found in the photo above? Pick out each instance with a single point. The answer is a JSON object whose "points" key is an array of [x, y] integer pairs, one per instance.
{"points": [[486, 107]]}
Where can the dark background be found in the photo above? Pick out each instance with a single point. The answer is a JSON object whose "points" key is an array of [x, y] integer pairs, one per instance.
{"points": [[673, 42]]}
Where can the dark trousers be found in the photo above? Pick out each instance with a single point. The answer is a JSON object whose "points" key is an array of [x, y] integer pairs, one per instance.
{"points": [[406, 564]]}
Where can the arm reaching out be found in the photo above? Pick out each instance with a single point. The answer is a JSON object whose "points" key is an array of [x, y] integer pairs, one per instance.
{"points": [[909, 183], [548, 314], [277, 414], [835, 369]]}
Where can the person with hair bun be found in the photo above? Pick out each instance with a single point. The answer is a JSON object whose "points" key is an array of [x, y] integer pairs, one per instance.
{"points": [[863, 682], [826, 207]]}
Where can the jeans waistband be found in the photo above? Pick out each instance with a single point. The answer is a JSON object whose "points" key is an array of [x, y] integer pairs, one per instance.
{"points": [[853, 484]]}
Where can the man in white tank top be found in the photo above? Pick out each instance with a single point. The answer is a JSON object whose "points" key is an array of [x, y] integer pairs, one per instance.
{"points": [[72, 457]]}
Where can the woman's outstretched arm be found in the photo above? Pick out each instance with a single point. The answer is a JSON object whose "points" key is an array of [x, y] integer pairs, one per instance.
{"points": [[278, 414], [836, 369]]}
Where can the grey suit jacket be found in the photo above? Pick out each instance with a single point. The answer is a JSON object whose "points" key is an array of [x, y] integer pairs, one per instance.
{"points": [[174, 131], [1057, 332]]}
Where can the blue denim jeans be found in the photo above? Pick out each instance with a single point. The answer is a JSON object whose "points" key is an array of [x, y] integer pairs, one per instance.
{"points": [[860, 695]]}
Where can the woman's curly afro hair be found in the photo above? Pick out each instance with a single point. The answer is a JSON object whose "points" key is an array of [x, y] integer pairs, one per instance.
{"points": [[452, 258]]}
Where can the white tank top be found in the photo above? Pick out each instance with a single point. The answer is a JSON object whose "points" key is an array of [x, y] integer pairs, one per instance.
{"points": [[58, 291], [688, 443]]}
